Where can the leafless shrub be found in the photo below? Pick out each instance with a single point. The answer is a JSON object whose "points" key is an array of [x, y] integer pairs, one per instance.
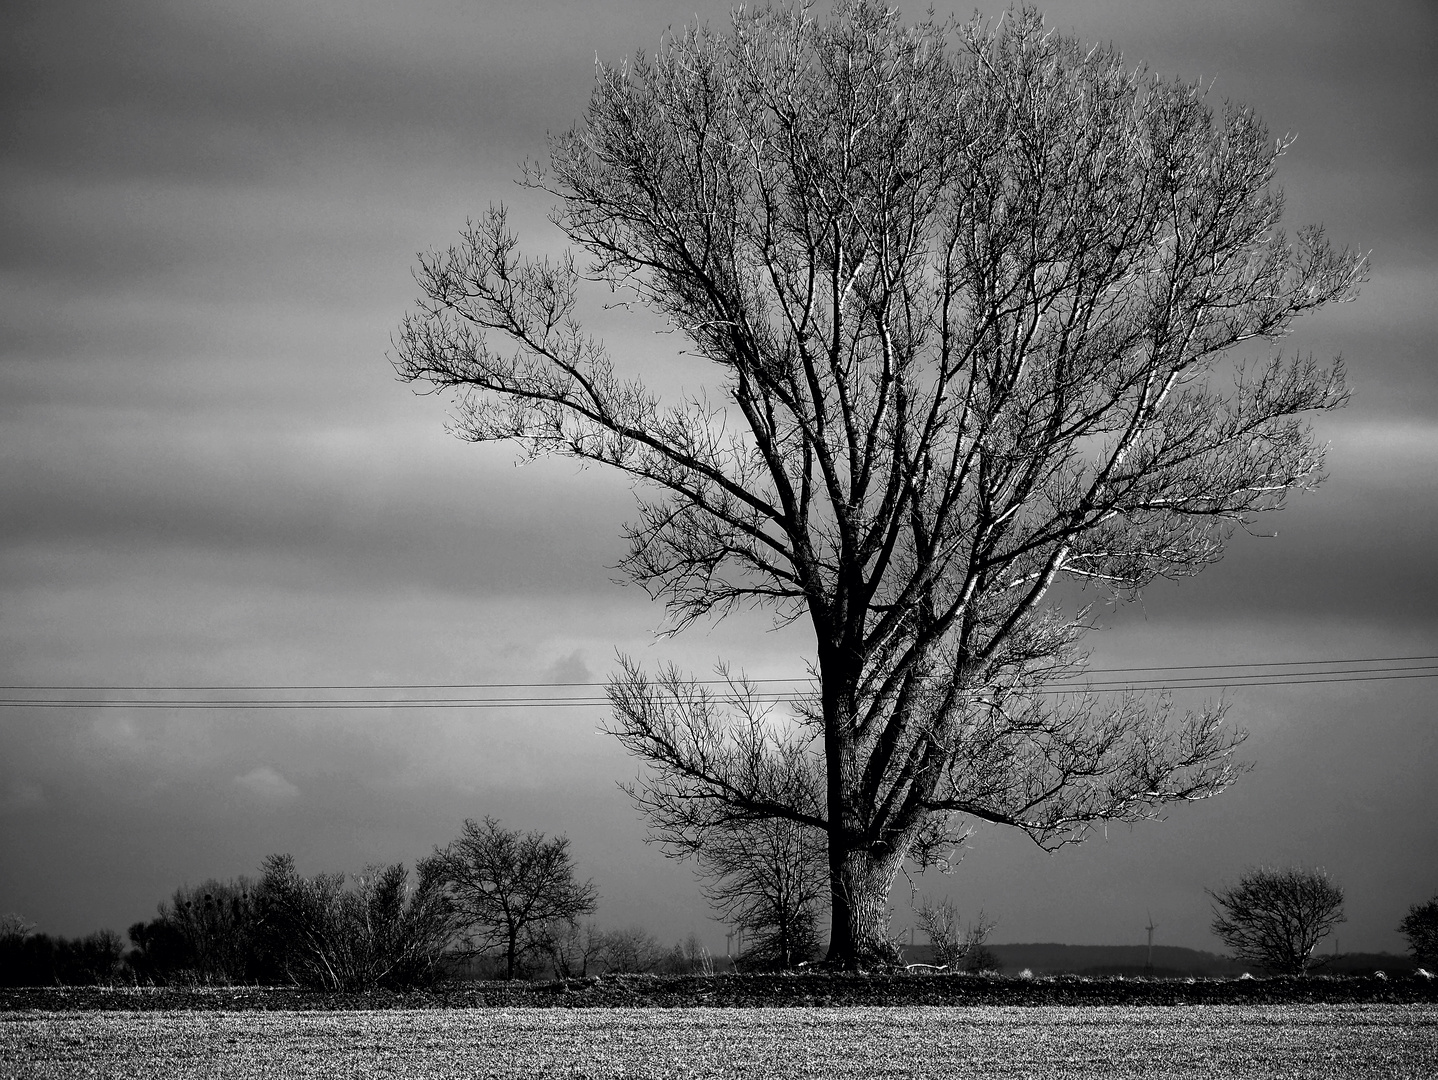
{"points": [[381, 931], [630, 951], [955, 949]]}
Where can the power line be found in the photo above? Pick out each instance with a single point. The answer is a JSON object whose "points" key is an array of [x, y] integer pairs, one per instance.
{"points": [[1271, 664], [153, 688], [1224, 680], [701, 682], [1230, 676], [1298, 678], [348, 686], [250, 706]]}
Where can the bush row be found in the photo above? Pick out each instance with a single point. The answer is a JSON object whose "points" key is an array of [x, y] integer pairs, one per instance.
{"points": [[377, 930], [754, 991]]}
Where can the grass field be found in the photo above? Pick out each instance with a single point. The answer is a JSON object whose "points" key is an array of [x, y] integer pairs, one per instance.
{"points": [[1109, 1042]]}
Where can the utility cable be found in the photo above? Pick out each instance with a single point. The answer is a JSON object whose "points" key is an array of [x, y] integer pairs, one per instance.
{"points": [[36, 687], [1223, 677]]}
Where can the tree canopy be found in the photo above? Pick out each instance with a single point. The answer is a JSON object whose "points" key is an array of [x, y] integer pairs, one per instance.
{"points": [[971, 296], [1277, 917], [511, 889], [1420, 927]]}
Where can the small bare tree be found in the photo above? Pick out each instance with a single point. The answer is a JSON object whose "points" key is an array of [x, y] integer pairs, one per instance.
{"points": [[770, 876], [15, 927], [571, 946], [510, 886], [1277, 917], [1420, 927]]}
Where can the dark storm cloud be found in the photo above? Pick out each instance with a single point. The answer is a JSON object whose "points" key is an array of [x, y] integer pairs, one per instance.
{"points": [[226, 94], [399, 538], [1387, 340], [1355, 550], [227, 151]]}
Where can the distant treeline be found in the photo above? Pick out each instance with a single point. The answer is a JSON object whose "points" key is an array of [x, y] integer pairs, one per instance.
{"points": [[1169, 961], [380, 929], [28, 959], [384, 928]]}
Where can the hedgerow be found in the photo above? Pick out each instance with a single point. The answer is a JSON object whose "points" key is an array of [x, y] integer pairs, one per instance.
{"points": [[750, 991]]}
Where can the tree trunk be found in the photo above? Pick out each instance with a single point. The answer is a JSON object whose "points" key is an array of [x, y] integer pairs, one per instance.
{"points": [[859, 931], [861, 868], [511, 953]]}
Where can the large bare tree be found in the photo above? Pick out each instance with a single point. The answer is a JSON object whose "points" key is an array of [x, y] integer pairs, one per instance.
{"points": [[971, 296]]}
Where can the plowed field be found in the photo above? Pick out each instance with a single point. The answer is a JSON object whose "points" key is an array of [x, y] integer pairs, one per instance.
{"points": [[1051, 1042]]}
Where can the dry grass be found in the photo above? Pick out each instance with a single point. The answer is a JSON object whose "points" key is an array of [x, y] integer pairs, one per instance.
{"points": [[1110, 1042]]}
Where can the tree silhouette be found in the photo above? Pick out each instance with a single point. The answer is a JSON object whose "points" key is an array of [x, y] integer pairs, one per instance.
{"points": [[969, 296], [1277, 917], [509, 887]]}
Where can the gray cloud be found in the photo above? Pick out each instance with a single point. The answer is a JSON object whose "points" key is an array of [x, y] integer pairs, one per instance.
{"points": [[224, 93], [267, 785], [569, 669]]}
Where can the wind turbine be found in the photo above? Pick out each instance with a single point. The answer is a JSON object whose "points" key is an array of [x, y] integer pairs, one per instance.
{"points": [[1148, 970]]}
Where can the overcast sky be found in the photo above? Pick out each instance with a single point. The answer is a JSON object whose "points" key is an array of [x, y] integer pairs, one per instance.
{"points": [[209, 213]]}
